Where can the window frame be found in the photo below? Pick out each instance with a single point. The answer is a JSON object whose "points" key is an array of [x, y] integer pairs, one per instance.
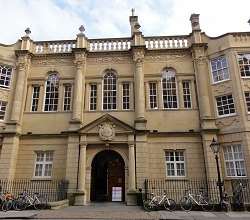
{"points": [[67, 97], [43, 165], [93, 97], [187, 96], [234, 163], [222, 107], [221, 69], [153, 104], [243, 66], [7, 78], [109, 91], [126, 96], [175, 163], [4, 111], [35, 98], [169, 90], [50, 102]]}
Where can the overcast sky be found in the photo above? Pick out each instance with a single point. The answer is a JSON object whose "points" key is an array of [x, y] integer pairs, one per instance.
{"points": [[61, 19]]}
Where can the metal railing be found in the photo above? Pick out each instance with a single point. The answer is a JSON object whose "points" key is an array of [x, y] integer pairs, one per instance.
{"points": [[53, 190]]}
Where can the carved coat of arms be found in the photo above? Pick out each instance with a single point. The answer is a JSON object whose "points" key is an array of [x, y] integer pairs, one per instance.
{"points": [[107, 132]]}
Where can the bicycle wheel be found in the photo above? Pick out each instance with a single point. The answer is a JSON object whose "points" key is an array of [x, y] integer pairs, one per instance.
{"points": [[7, 205], [40, 202], [169, 204], [20, 204], [147, 205], [207, 204], [186, 203]]}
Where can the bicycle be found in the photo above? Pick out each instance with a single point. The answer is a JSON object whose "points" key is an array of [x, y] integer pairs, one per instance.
{"points": [[38, 201], [187, 201], [156, 201], [9, 202]]}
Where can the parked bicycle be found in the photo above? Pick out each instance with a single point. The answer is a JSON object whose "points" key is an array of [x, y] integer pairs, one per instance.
{"points": [[156, 201], [9, 202], [25, 200], [189, 199]]}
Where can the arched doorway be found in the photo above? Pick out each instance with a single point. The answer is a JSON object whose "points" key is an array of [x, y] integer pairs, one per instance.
{"points": [[108, 177]]}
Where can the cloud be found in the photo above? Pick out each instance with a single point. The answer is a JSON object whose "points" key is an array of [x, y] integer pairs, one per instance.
{"points": [[61, 19]]}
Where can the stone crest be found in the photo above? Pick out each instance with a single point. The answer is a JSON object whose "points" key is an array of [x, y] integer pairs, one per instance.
{"points": [[107, 132]]}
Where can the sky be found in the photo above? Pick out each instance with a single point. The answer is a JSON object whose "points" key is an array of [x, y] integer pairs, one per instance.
{"points": [[60, 19]]}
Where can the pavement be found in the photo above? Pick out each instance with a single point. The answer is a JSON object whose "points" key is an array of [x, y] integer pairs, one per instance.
{"points": [[119, 211]]}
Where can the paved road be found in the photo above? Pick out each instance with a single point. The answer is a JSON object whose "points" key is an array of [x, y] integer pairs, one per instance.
{"points": [[119, 211]]}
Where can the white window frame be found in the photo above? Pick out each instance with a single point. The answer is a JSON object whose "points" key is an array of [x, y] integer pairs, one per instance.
{"points": [[187, 94], [35, 98], [176, 166], [43, 164], [225, 104], [93, 97], [125, 96], [244, 65], [67, 97], [153, 95], [51, 94], [247, 99], [219, 69], [5, 77], [109, 92], [234, 161], [169, 90], [3, 108]]}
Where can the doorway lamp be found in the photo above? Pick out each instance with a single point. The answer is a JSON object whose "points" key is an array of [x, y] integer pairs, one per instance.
{"points": [[215, 145]]}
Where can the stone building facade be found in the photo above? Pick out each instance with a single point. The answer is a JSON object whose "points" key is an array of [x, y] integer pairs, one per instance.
{"points": [[106, 114]]}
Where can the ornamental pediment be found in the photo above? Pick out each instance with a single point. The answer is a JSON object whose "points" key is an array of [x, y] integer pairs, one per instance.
{"points": [[107, 128]]}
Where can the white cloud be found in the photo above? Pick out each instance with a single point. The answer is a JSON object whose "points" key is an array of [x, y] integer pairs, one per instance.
{"points": [[60, 19]]}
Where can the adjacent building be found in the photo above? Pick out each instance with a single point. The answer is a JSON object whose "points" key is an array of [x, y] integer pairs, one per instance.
{"points": [[106, 114]]}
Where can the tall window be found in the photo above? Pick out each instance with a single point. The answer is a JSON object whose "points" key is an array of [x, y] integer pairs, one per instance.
{"points": [[225, 105], [175, 163], [247, 97], [244, 64], [35, 98], [52, 93], [152, 95], [125, 96], [5, 76], [169, 88], [93, 97], [109, 91], [67, 98], [2, 110], [186, 94], [43, 165], [234, 161], [220, 69]]}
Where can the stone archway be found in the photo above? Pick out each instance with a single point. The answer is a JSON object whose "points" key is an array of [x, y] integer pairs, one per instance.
{"points": [[108, 177]]}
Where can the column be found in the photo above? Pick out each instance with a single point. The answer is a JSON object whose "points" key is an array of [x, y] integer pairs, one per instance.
{"points": [[77, 103], [140, 121], [23, 61], [159, 94], [41, 98], [80, 194], [147, 95], [61, 94], [87, 96], [132, 101], [180, 95], [193, 94], [131, 166], [29, 98], [99, 95], [119, 106]]}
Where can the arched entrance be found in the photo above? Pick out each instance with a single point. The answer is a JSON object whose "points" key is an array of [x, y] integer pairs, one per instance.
{"points": [[108, 177]]}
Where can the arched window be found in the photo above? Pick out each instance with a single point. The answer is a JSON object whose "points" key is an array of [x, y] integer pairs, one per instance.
{"points": [[169, 89], [109, 91], [51, 93]]}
